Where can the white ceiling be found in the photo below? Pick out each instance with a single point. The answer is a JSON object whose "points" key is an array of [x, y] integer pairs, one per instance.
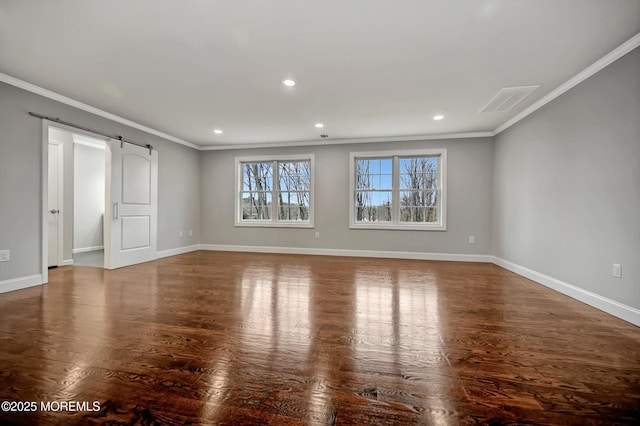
{"points": [[366, 69]]}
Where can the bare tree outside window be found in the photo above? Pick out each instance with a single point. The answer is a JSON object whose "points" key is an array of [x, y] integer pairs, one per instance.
{"points": [[374, 189], [256, 195], [399, 190], [271, 185], [294, 190], [419, 189]]}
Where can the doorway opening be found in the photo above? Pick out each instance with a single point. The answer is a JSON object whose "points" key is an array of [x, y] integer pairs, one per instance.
{"points": [[89, 182], [75, 198]]}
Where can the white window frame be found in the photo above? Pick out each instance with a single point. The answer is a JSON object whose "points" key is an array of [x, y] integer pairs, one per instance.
{"points": [[395, 224], [273, 222]]}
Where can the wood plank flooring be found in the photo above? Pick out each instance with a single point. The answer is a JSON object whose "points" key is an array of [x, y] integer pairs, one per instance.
{"points": [[246, 338]]}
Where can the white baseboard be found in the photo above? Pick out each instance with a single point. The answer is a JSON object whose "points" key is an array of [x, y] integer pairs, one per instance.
{"points": [[67, 262], [350, 253], [176, 251], [609, 306], [20, 283], [86, 249]]}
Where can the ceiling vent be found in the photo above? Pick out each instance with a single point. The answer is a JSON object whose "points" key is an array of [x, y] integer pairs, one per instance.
{"points": [[507, 98]]}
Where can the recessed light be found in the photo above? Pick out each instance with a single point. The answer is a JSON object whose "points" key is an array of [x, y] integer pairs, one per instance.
{"points": [[319, 125], [217, 131], [289, 82], [438, 117]]}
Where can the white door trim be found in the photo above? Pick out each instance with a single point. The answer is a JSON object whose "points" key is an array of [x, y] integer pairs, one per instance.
{"points": [[61, 210], [45, 200]]}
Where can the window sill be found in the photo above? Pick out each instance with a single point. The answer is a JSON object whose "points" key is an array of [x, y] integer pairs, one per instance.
{"points": [[394, 227], [306, 225]]}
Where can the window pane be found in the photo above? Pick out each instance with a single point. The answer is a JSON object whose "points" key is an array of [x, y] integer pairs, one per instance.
{"points": [[418, 206], [374, 173], [418, 198], [295, 175], [418, 214], [373, 206], [411, 214], [293, 206], [419, 173], [257, 176], [386, 182], [431, 214], [363, 169], [256, 206]]}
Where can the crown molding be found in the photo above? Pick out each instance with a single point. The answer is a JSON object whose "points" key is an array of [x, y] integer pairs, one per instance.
{"points": [[346, 141], [5, 78], [601, 63]]}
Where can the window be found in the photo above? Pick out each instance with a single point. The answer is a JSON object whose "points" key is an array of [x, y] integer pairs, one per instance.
{"points": [[275, 191], [398, 190]]}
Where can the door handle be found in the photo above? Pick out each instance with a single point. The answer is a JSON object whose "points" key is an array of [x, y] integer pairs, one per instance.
{"points": [[54, 211], [115, 211]]}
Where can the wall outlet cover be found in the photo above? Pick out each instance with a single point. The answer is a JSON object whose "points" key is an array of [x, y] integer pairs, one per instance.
{"points": [[617, 270]]}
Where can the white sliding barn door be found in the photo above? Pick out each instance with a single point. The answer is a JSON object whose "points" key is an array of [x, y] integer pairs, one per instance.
{"points": [[131, 205]]}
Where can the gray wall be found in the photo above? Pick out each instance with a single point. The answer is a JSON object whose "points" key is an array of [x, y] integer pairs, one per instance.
{"points": [[88, 196], [21, 177], [567, 185], [470, 163]]}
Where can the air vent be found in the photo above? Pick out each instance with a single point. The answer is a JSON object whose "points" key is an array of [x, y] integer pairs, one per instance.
{"points": [[324, 136], [507, 98]]}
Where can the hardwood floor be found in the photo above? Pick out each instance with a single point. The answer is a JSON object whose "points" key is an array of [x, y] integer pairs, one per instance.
{"points": [[245, 338]]}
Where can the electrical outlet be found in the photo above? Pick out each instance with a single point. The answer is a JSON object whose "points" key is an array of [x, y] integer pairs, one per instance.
{"points": [[472, 239], [617, 270], [317, 235], [181, 234], [5, 255], [191, 232]]}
